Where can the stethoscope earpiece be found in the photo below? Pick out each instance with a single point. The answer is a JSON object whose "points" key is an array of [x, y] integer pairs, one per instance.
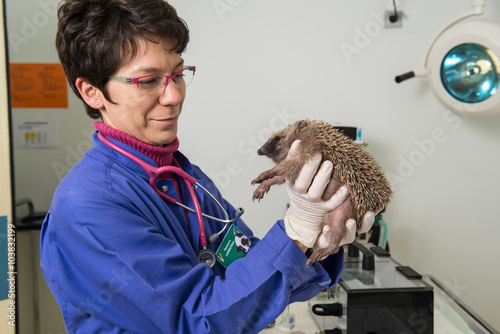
{"points": [[213, 238], [239, 212]]}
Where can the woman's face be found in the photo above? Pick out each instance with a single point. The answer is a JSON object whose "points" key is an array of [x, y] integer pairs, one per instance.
{"points": [[150, 118]]}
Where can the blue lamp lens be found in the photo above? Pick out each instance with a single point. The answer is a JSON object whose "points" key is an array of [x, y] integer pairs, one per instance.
{"points": [[469, 73]]}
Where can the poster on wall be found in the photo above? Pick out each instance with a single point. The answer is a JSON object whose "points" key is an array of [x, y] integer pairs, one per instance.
{"points": [[34, 132], [35, 85]]}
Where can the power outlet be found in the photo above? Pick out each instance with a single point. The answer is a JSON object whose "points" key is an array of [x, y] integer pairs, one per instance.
{"points": [[389, 17]]}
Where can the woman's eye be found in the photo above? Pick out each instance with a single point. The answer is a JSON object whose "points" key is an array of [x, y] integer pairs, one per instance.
{"points": [[151, 81], [179, 73]]}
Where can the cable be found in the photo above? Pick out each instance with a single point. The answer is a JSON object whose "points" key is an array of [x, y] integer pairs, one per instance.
{"points": [[394, 17]]}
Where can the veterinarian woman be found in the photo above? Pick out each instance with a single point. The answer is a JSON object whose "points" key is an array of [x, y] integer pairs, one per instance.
{"points": [[121, 258]]}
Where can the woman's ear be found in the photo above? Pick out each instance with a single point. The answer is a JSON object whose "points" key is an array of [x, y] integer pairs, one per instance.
{"points": [[90, 94]]}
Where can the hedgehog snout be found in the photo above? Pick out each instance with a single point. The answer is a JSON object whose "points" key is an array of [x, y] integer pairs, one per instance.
{"points": [[260, 151]]}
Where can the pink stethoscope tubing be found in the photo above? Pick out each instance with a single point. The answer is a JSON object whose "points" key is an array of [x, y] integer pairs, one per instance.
{"points": [[190, 182]]}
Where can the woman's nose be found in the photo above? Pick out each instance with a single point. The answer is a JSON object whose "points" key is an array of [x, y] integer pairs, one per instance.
{"points": [[172, 94]]}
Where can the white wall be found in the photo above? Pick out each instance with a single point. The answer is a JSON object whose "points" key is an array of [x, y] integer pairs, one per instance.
{"points": [[262, 64], [258, 58]]}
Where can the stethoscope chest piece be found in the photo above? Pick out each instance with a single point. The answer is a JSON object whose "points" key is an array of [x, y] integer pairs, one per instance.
{"points": [[207, 256]]}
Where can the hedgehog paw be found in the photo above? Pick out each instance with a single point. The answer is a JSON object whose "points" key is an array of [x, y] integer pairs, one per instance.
{"points": [[257, 180], [263, 177], [259, 193], [315, 257], [320, 255]]}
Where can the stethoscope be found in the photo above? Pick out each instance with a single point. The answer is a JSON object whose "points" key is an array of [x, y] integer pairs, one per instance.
{"points": [[206, 255]]}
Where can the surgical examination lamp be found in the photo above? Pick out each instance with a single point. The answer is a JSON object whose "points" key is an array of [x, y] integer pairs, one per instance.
{"points": [[462, 65]]}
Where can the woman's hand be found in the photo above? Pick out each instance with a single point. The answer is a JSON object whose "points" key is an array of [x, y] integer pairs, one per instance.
{"points": [[325, 238], [307, 208]]}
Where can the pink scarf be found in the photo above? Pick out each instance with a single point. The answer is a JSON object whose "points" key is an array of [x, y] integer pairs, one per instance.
{"points": [[163, 156]]}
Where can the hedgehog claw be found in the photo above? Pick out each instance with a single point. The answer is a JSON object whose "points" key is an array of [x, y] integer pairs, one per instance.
{"points": [[259, 193]]}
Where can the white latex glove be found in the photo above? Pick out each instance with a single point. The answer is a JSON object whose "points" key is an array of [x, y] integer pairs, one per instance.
{"points": [[306, 211], [326, 238]]}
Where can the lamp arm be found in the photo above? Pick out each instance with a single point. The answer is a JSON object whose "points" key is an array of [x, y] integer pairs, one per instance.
{"points": [[478, 10]]}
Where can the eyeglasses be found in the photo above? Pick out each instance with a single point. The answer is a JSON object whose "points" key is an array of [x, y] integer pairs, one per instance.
{"points": [[155, 84]]}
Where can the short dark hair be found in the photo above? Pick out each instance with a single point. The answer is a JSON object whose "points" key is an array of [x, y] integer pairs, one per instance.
{"points": [[95, 37]]}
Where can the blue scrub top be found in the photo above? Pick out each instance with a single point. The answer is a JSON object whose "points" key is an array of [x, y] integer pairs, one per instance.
{"points": [[119, 259]]}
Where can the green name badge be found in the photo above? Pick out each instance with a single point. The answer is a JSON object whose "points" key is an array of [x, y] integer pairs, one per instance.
{"points": [[234, 246]]}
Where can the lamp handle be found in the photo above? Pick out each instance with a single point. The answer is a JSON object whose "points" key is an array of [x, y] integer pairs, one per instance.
{"points": [[406, 76]]}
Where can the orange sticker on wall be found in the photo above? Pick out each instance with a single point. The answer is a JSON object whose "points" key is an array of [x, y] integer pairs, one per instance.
{"points": [[38, 86]]}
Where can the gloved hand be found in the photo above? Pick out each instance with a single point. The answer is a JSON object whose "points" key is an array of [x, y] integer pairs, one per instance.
{"points": [[306, 211], [325, 238]]}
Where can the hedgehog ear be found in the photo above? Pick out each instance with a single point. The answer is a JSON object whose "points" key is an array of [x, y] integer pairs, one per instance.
{"points": [[301, 124]]}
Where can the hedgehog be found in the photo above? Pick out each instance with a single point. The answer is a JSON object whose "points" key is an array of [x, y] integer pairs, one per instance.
{"points": [[353, 166]]}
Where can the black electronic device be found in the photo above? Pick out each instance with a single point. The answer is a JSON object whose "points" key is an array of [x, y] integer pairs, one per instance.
{"points": [[409, 272], [377, 297]]}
